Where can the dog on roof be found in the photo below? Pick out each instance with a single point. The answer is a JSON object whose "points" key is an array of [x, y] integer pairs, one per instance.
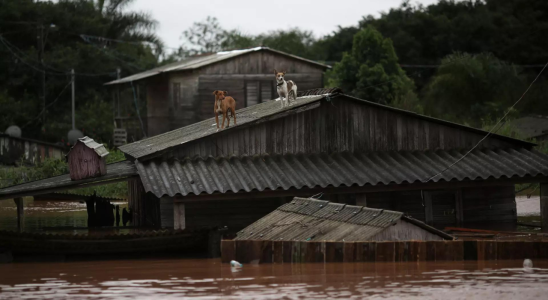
{"points": [[286, 89], [223, 105]]}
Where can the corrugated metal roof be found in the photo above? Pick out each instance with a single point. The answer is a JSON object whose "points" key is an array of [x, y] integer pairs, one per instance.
{"points": [[115, 171], [208, 127], [90, 143], [314, 220], [196, 62], [283, 172]]}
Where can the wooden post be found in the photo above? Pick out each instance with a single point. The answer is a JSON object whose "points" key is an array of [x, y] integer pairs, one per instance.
{"points": [[429, 216], [20, 214], [179, 219], [544, 206], [361, 199]]}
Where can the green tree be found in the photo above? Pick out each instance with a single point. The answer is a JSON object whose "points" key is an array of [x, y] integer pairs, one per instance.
{"points": [[371, 71], [92, 37], [468, 88]]}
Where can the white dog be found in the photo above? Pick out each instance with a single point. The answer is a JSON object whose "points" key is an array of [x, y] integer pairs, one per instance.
{"points": [[285, 89]]}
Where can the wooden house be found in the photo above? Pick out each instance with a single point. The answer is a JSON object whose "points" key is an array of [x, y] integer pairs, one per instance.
{"points": [[15, 149], [352, 151], [180, 93], [86, 159]]}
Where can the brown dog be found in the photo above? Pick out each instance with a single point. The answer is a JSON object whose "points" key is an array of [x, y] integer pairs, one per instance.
{"points": [[223, 104]]}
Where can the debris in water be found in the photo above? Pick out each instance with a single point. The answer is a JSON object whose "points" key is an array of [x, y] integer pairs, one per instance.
{"points": [[527, 264], [235, 264]]}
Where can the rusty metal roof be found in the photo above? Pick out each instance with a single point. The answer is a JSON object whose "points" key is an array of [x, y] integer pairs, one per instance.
{"points": [[93, 145], [115, 172], [284, 172], [306, 219], [196, 62]]}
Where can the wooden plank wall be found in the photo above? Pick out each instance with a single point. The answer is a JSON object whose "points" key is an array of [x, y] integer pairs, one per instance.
{"points": [[158, 106], [404, 251], [340, 125], [490, 207]]}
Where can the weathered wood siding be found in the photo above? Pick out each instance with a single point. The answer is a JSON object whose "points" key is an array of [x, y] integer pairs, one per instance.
{"points": [[13, 150], [144, 207], [83, 163], [340, 125], [490, 207], [404, 231], [237, 76]]}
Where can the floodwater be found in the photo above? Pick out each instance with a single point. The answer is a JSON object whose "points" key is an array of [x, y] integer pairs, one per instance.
{"points": [[43, 216], [528, 206], [209, 279]]}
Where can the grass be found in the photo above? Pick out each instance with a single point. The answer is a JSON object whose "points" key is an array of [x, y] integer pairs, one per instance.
{"points": [[54, 167]]}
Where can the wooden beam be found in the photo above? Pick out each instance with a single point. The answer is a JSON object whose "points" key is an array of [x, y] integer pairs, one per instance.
{"points": [[307, 192], [544, 206], [20, 214]]}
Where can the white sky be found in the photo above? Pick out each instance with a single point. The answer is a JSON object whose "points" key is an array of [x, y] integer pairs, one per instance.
{"points": [[258, 16]]}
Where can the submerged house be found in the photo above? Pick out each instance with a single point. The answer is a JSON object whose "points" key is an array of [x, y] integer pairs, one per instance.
{"points": [[354, 151], [308, 219], [180, 94]]}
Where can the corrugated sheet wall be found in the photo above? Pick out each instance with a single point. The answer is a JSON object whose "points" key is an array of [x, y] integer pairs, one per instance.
{"points": [[339, 125]]}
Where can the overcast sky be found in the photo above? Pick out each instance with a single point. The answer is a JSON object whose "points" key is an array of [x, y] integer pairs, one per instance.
{"points": [[258, 16]]}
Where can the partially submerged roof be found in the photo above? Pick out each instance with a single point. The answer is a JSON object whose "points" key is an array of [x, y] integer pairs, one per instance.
{"points": [[93, 145], [306, 219], [115, 172], [150, 147], [296, 171], [196, 62]]}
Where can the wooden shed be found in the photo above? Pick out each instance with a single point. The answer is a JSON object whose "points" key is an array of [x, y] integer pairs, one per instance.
{"points": [[307, 219], [179, 94], [86, 159]]}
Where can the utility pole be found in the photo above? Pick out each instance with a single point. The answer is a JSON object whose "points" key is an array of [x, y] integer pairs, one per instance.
{"points": [[73, 96], [41, 60]]}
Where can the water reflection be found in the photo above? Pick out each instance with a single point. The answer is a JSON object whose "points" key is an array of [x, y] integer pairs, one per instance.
{"points": [[43, 216], [208, 279]]}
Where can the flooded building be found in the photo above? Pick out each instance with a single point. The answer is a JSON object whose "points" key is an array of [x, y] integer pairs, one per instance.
{"points": [[180, 94], [354, 151], [14, 149]]}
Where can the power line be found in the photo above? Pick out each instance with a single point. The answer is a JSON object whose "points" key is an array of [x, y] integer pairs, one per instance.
{"points": [[492, 129], [45, 108], [11, 48]]}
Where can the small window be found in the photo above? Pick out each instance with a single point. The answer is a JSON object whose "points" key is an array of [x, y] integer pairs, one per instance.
{"points": [[180, 95]]}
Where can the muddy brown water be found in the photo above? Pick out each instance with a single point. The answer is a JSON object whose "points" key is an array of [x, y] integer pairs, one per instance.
{"points": [[178, 278]]}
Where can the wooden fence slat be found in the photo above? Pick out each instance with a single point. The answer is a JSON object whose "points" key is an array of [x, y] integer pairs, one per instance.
{"points": [[287, 251], [334, 251], [442, 251], [470, 249], [228, 251], [402, 251], [487, 250], [349, 252], [385, 252], [266, 252], [277, 252], [430, 251], [295, 252]]}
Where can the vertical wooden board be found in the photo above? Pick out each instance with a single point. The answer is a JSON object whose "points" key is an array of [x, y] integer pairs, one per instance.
{"points": [[334, 251], [372, 122], [505, 250], [264, 138], [228, 251], [392, 131], [470, 250], [277, 252], [417, 251], [487, 250], [542, 250], [349, 252], [458, 250], [441, 250], [364, 128], [385, 252], [399, 131], [430, 250], [527, 250], [266, 252], [287, 251], [242, 249], [295, 252], [402, 251], [380, 130], [314, 252]]}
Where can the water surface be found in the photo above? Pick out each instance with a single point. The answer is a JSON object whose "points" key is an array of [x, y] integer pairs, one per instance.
{"points": [[209, 279]]}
